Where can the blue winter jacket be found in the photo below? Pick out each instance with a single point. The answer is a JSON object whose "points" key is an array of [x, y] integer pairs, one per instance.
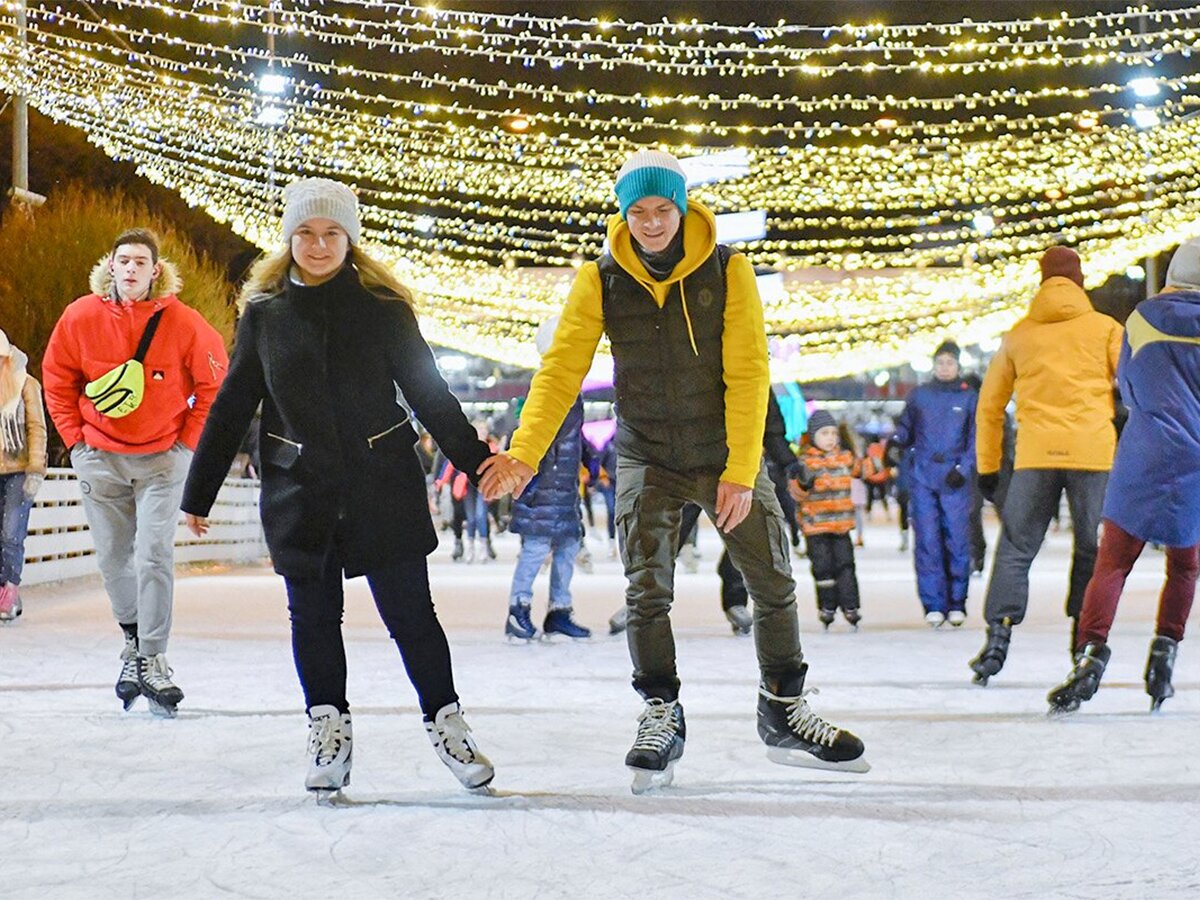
{"points": [[1154, 488], [550, 506], [938, 423]]}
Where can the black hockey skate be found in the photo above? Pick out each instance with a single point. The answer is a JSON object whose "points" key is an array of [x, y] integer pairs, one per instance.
{"points": [[1083, 681], [128, 687], [740, 619], [826, 616], [1159, 667], [853, 617], [154, 680], [659, 743], [796, 736], [991, 658]]}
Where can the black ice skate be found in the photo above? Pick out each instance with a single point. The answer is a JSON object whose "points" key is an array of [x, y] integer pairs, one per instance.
{"points": [[560, 623], [826, 617], [154, 681], [330, 752], [740, 619], [1083, 681], [853, 617], [659, 743], [1159, 667], [991, 658], [796, 736], [128, 687]]}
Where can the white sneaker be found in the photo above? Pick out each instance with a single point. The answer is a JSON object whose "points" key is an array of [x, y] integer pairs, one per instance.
{"points": [[956, 617], [451, 739], [935, 619], [330, 748]]}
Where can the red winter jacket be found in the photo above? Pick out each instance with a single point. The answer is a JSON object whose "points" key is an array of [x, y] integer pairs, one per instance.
{"points": [[184, 367]]}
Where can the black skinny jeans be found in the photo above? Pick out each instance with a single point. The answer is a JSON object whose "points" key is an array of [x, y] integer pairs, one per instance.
{"points": [[401, 592]]}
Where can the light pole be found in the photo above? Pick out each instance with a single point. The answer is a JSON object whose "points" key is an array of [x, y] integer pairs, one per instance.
{"points": [[20, 138]]}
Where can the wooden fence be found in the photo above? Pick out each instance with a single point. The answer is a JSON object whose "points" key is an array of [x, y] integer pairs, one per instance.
{"points": [[60, 546]]}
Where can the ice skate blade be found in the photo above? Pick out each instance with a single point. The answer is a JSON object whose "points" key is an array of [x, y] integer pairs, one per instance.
{"points": [[800, 759], [517, 639], [557, 637], [327, 796], [1156, 704], [162, 710], [650, 779], [1061, 712]]}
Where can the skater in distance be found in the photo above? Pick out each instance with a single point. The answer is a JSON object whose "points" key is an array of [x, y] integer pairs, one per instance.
{"points": [[685, 323], [1154, 485], [326, 339]]}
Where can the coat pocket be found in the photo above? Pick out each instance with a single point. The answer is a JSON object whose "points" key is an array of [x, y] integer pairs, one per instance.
{"points": [[281, 452]]}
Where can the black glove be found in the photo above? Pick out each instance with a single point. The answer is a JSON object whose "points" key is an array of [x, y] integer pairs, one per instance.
{"points": [[988, 484], [955, 479], [892, 453], [805, 477]]}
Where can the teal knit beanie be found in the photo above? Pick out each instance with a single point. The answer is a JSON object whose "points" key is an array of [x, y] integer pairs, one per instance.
{"points": [[651, 173]]}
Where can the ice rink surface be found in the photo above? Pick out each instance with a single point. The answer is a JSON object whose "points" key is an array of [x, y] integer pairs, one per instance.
{"points": [[973, 792]]}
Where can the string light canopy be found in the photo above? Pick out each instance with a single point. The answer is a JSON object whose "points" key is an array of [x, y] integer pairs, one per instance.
{"points": [[483, 146]]}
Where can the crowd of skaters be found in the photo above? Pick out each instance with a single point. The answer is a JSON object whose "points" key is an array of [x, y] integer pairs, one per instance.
{"points": [[154, 413]]}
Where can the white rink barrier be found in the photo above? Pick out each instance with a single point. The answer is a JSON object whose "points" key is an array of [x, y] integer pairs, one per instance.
{"points": [[59, 544]]}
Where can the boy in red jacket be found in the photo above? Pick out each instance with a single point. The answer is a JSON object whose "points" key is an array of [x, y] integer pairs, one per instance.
{"points": [[129, 374]]}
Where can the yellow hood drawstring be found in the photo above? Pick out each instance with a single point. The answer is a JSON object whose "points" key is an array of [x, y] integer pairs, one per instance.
{"points": [[687, 318]]}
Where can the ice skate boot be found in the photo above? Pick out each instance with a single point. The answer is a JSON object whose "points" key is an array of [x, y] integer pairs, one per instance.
{"points": [[10, 603], [452, 741], [991, 658], [619, 621], [956, 617], [154, 681], [128, 688], [330, 751], [457, 555], [740, 619], [518, 626], [488, 548], [935, 619], [853, 616], [796, 736], [1159, 667], [583, 560], [471, 557], [659, 743], [558, 622], [1083, 681], [826, 617]]}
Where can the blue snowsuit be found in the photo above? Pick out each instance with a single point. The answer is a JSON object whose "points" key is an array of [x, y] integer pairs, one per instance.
{"points": [[938, 423]]}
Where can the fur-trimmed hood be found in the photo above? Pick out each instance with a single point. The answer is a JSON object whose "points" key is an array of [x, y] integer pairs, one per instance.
{"points": [[168, 281]]}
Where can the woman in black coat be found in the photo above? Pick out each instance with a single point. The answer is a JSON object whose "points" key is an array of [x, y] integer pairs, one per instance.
{"points": [[328, 343]]}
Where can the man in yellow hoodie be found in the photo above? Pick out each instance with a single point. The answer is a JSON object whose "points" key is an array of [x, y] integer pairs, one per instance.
{"points": [[1060, 362], [685, 323]]}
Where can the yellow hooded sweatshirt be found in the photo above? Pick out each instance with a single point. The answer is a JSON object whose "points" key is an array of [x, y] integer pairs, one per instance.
{"points": [[743, 348], [1060, 361]]}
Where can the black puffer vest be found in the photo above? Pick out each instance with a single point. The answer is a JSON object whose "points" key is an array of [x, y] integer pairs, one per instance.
{"points": [[670, 401]]}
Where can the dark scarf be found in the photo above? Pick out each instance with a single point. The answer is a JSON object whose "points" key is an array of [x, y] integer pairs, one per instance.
{"points": [[661, 265]]}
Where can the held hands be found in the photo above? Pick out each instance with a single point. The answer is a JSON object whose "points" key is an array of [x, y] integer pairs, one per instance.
{"points": [[500, 474], [733, 504], [197, 525]]}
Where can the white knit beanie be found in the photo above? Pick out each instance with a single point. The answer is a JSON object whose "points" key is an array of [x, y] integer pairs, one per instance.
{"points": [[1184, 271], [320, 198]]}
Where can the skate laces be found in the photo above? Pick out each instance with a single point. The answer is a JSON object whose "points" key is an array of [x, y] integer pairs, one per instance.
{"points": [[453, 730], [656, 726], [158, 673], [805, 723], [325, 738]]}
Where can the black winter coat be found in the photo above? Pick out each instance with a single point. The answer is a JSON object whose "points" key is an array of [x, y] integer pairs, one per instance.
{"points": [[338, 462], [550, 508]]}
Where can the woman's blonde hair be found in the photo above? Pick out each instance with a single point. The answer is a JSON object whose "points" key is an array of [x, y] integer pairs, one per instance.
{"points": [[270, 274]]}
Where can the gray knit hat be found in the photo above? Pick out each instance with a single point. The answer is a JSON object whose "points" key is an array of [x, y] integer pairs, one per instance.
{"points": [[320, 198], [1184, 271]]}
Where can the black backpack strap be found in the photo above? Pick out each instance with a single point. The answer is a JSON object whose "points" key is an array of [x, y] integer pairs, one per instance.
{"points": [[148, 335]]}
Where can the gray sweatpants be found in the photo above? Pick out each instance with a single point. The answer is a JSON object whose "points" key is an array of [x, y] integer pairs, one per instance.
{"points": [[132, 506], [649, 503], [1032, 501]]}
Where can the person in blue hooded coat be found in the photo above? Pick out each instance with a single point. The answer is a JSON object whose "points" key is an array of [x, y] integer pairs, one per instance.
{"points": [[938, 423], [1154, 490], [546, 516]]}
